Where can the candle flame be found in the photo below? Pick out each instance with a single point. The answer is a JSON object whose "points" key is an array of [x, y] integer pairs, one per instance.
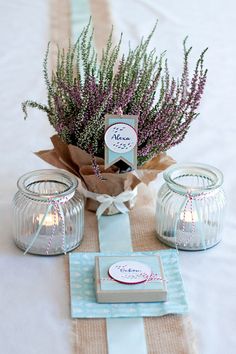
{"points": [[49, 220], [189, 216]]}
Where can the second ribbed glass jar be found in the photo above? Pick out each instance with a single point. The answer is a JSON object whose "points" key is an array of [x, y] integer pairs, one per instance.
{"points": [[48, 213], [190, 207]]}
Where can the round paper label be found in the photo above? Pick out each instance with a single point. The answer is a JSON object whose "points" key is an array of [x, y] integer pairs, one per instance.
{"points": [[130, 272], [120, 138]]}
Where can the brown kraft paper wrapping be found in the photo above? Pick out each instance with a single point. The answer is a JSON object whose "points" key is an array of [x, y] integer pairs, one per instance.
{"points": [[79, 162]]}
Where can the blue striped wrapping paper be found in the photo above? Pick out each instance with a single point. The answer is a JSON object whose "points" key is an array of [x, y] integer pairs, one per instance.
{"points": [[83, 298]]}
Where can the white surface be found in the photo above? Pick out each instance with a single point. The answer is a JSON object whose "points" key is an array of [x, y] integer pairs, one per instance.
{"points": [[209, 276], [34, 301]]}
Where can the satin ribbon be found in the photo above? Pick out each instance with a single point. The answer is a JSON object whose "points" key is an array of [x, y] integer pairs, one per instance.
{"points": [[107, 201], [124, 335]]}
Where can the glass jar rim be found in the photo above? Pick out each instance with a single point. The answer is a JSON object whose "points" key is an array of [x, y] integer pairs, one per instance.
{"points": [[178, 170], [47, 175]]}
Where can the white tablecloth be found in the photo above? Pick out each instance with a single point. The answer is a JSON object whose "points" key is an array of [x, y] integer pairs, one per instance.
{"points": [[34, 301]]}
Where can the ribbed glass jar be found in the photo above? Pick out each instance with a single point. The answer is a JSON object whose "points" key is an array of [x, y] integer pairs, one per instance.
{"points": [[190, 207], [48, 212]]}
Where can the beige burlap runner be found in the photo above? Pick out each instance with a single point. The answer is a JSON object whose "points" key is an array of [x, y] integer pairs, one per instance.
{"points": [[171, 334]]}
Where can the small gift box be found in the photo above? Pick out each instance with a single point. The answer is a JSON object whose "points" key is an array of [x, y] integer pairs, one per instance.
{"points": [[130, 279]]}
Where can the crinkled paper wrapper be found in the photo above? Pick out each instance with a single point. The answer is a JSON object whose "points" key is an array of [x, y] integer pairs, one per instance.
{"points": [[78, 162]]}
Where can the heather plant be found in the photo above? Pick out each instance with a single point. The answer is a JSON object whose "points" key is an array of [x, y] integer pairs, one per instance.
{"points": [[81, 91]]}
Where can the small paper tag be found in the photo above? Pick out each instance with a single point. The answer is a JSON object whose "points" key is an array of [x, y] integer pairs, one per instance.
{"points": [[130, 272], [121, 139]]}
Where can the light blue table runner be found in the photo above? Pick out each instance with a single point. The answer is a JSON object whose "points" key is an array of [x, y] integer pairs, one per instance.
{"points": [[124, 335]]}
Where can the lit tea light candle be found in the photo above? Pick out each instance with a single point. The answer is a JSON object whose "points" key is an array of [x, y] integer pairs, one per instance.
{"points": [[48, 213], [190, 207], [188, 216], [187, 231], [48, 220]]}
